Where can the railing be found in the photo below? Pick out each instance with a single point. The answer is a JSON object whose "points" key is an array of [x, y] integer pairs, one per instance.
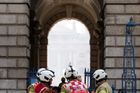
{"points": [[89, 79], [91, 82]]}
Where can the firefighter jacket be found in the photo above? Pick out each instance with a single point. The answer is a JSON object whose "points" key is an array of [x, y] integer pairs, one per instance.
{"points": [[104, 88], [39, 88]]}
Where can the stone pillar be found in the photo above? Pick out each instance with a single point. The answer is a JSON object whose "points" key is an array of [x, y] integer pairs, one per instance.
{"points": [[117, 14], [43, 51], [14, 45], [94, 53]]}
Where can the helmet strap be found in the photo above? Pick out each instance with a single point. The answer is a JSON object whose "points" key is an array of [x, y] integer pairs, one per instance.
{"points": [[101, 80]]}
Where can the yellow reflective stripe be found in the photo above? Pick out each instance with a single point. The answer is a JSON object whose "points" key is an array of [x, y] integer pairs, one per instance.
{"points": [[102, 91], [31, 89], [63, 89], [62, 92]]}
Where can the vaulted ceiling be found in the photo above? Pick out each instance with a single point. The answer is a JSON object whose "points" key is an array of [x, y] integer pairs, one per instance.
{"points": [[49, 12]]}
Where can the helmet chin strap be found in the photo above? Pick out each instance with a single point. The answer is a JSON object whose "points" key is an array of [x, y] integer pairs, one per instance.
{"points": [[98, 83], [101, 80]]}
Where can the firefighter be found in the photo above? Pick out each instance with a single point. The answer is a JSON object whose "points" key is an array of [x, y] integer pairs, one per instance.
{"points": [[102, 85], [31, 87], [43, 84], [73, 85]]}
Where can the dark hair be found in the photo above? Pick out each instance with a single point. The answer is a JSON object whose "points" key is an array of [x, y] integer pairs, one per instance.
{"points": [[63, 79]]}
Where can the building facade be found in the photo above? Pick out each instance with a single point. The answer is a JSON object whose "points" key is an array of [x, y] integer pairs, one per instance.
{"points": [[24, 28]]}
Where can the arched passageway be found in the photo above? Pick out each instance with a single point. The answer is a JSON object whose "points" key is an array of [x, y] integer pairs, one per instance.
{"points": [[68, 43], [48, 12]]}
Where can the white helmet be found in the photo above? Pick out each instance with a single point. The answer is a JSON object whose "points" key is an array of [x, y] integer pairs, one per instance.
{"points": [[70, 71], [46, 75], [99, 74], [39, 71]]}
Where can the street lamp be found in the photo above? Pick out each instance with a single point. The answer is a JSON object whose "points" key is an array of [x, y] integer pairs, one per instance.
{"points": [[130, 26], [129, 76]]}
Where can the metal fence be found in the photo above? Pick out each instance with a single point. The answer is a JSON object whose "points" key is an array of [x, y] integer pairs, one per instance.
{"points": [[89, 80]]}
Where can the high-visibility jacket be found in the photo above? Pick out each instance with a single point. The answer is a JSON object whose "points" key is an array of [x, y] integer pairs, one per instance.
{"points": [[104, 88], [74, 86], [39, 88], [31, 89]]}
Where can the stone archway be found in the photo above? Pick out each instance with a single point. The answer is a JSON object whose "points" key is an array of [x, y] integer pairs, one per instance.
{"points": [[87, 11]]}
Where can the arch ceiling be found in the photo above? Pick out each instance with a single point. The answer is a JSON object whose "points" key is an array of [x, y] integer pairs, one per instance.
{"points": [[87, 11], [48, 12]]}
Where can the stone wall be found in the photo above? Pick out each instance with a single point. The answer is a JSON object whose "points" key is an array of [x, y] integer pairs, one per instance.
{"points": [[14, 45], [117, 14]]}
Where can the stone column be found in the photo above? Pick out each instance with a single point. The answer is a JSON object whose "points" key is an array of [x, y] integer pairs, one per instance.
{"points": [[94, 53], [117, 14], [14, 45], [43, 51]]}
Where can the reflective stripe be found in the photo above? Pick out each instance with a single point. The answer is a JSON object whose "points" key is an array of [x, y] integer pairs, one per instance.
{"points": [[43, 90], [102, 91], [62, 92], [31, 89]]}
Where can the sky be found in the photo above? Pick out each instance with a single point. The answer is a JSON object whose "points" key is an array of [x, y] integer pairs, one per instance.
{"points": [[68, 43]]}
